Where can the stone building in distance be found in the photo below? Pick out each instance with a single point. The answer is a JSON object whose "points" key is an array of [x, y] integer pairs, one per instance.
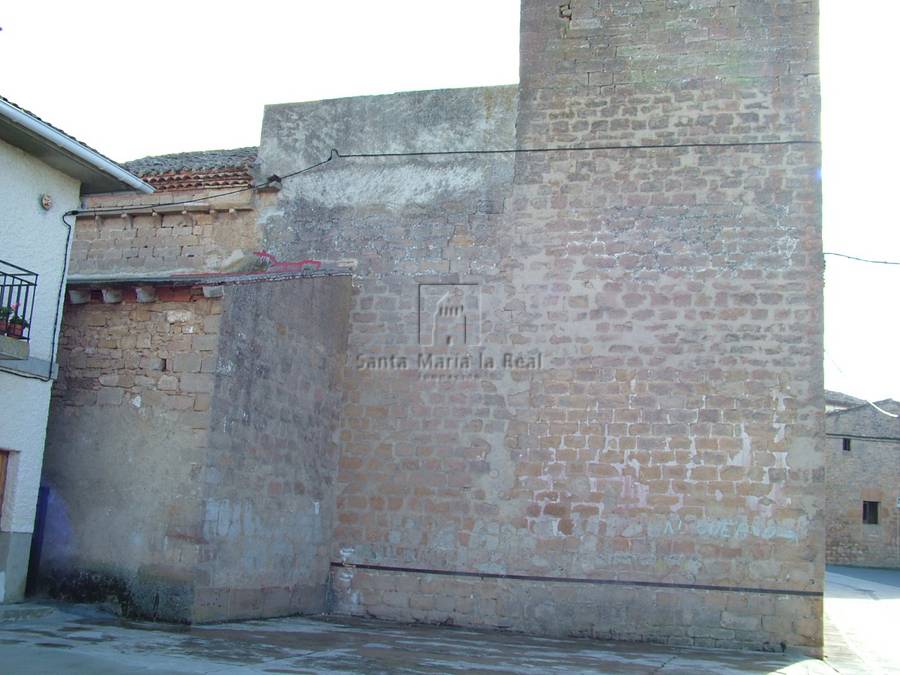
{"points": [[835, 400], [862, 507], [581, 388]]}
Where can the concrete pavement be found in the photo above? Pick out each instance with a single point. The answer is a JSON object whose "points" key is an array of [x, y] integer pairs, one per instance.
{"points": [[80, 639], [862, 620]]}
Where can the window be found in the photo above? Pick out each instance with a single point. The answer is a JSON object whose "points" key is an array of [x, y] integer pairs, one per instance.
{"points": [[846, 445], [870, 513]]}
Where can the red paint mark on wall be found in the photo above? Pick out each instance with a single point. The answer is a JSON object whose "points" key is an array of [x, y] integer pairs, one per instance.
{"points": [[276, 265]]}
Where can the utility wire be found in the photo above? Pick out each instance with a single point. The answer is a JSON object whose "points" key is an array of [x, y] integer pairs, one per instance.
{"points": [[583, 148], [256, 186], [271, 179], [60, 294], [151, 207], [439, 153], [336, 154], [865, 260]]}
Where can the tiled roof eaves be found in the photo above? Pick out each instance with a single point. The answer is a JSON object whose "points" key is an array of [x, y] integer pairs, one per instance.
{"points": [[182, 180], [202, 161]]}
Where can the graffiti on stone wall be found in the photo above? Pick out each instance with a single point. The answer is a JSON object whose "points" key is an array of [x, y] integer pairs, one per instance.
{"points": [[725, 528]]}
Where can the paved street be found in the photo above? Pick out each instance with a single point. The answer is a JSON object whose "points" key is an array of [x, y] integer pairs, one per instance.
{"points": [[862, 609], [862, 619], [78, 639]]}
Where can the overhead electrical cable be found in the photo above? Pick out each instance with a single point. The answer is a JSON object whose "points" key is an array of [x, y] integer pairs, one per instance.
{"points": [[865, 260], [436, 153]]}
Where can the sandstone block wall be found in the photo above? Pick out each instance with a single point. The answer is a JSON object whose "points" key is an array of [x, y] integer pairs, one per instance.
{"points": [[623, 438], [207, 235], [868, 471], [656, 439], [269, 500], [189, 450], [125, 452]]}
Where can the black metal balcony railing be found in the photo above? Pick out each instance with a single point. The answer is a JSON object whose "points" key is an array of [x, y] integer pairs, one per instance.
{"points": [[17, 292]]}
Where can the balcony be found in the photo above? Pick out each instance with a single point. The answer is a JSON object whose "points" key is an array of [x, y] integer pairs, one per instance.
{"points": [[17, 294]]}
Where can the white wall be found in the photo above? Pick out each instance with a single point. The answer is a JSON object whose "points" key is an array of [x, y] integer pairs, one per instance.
{"points": [[32, 238], [25, 405]]}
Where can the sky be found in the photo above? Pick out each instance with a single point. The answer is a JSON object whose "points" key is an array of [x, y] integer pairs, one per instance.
{"points": [[138, 79], [860, 146], [145, 79]]}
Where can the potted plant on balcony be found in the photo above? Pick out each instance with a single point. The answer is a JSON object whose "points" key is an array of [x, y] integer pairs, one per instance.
{"points": [[4, 318], [16, 325]]}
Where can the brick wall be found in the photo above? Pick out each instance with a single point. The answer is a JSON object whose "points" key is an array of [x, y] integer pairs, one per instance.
{"points": [[665, 449], [869, 471]]}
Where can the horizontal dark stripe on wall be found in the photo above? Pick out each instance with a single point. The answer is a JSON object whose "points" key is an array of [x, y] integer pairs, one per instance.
{"points": [[858, 437], [578, 580]]}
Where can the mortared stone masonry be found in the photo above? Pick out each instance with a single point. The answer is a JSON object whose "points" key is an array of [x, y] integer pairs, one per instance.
{"points": [[581, 391]]}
